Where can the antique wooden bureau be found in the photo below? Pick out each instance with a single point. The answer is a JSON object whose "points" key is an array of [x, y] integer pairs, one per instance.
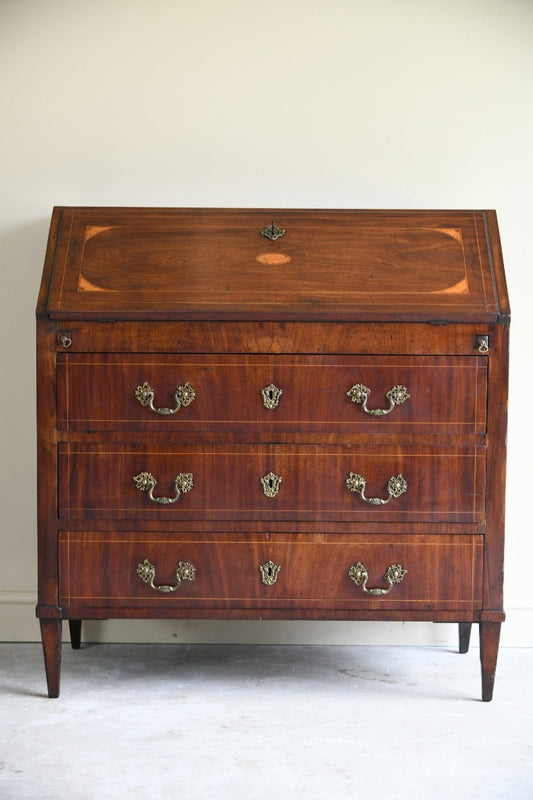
{"points": [[272, 414]]}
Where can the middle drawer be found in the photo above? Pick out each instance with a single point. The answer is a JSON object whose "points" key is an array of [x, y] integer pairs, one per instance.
{"points": [[328, 394], [304, 482]]}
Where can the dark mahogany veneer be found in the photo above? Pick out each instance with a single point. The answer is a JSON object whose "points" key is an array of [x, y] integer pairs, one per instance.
{"points": [[241, 501]]}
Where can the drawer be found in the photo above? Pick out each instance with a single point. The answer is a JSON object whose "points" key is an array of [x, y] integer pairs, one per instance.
{"points": [[224, 393], [299, 571], [274, 482]]}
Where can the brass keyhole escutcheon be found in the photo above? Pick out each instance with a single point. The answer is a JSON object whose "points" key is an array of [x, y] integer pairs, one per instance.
{"points": [[271, 484], [269, 572], [271, 396], [272, 232]]}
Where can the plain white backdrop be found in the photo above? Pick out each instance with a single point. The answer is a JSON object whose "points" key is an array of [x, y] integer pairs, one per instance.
{"points": [[295, 103]]}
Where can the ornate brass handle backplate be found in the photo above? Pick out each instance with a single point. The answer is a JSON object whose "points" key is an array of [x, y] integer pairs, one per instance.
{"points": [[145, 482], [394, 573], [359, 393], [185, 571], [183, 396], [396, 486]]}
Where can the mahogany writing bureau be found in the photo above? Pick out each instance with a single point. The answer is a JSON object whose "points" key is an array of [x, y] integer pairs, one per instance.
{"points": [[272, 414]]}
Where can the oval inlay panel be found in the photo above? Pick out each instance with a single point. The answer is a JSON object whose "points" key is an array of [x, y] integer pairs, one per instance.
{"points": [[271, 259]]}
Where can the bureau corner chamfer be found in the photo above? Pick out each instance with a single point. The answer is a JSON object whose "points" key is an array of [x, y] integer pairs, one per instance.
{"points": [[272, 414]]}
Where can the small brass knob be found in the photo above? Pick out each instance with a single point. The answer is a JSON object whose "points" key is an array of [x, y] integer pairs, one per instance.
{"points": [[482, 344]]}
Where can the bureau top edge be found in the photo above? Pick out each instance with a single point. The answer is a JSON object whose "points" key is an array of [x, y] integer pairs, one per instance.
{"points": [[275, 264]]}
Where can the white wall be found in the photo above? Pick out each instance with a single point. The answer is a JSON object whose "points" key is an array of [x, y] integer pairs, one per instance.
{"points": [[305, 103]]}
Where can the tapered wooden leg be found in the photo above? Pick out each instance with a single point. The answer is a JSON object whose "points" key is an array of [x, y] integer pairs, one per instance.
{"points": [[75, 633], [51, 630], [465, 629], [489, 638]]}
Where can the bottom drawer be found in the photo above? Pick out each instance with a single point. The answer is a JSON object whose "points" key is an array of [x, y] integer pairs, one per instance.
{"points": [[270, 571]]}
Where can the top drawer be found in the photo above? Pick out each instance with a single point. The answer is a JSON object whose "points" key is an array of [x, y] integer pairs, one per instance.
{"points": [[336, 394]]}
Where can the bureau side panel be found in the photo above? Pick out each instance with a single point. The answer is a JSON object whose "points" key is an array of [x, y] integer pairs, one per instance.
{"points": [[496, 468], [47, 493]]}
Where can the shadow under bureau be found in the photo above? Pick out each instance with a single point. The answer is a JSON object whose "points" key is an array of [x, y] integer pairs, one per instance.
{"points": [[272, 414]]}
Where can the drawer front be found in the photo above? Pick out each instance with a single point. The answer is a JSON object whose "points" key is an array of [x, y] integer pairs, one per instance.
{"points": [[301, 393], [272, 482], [269, 571]]}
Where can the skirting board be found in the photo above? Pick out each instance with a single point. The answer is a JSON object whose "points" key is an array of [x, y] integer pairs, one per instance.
{"points": [[18, 624]]}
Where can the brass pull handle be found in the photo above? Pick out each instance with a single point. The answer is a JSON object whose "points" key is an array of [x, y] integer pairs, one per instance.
{"points": [[271, 484], [482, 344], [185, 571], [394, 573], [269, 573], [145, 482], [359, 393], [396, 486], [183, 396], [271, 395]]}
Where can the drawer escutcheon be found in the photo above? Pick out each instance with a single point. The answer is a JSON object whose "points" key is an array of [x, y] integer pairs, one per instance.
{"points": [[271, 396], [269, 572], [272, 232], [271, 484]]}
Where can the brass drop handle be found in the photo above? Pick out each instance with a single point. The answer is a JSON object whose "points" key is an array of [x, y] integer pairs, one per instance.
{"points": [[145, 482], [185, 571], [359, 393], [394, 573], [396, 486], [183, 396]]}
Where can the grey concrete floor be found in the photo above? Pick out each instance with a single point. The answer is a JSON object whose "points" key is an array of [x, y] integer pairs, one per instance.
{"points": [[260, 722]]}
